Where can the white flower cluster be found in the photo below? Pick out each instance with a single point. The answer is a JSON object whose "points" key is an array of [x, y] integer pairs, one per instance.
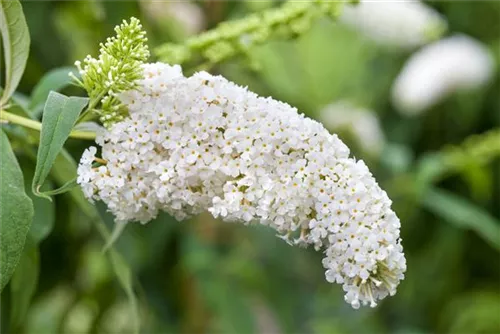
{"points": [[403, 23], [203, 143], [453, 64]]}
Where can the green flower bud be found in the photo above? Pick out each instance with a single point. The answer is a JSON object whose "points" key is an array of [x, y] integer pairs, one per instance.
{"points": [[233, 38], [117, 69]]}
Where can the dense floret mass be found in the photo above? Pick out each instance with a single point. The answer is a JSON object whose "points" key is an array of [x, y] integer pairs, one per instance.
{"points": [[202, 143]]}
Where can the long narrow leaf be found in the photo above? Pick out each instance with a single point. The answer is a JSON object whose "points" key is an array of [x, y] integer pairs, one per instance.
{"points": [[463, 214], [59, 117], [16, 44]]}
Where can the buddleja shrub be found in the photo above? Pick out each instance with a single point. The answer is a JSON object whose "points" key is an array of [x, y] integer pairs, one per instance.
{"points": [[190, 144]]}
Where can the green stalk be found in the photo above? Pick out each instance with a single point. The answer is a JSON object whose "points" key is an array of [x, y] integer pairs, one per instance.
{"points": [[35, 125]]}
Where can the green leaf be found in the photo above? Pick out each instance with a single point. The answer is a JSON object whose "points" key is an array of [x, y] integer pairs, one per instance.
{"points": [[16, 211], [23, 283], [31, 135], [21, 99], [16, 44], [59, 117], [64, 168], [54, 80], [463, 214], [44, 218], [16, 107], [62, 189]]}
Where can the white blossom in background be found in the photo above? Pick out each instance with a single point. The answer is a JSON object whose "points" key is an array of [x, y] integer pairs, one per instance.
{"points": [[186, 13], [452, 64], [202, 143], [362, 123], [404, 24]]}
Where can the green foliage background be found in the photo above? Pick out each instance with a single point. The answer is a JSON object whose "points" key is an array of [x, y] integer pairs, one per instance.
{"points": [[204, 276]]}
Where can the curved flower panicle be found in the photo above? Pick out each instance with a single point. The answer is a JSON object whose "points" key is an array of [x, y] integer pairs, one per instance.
{"points": [[202, 143]]}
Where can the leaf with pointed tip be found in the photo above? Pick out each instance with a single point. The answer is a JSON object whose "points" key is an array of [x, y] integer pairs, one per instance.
{"points": [[59, 117], [16, 44]]}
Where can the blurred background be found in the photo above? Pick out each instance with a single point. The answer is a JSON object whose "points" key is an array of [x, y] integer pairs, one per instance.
{"points": [[401, 85]]}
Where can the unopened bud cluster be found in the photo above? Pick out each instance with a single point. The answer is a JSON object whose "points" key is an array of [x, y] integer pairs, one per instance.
{"points": [[202, 143], [117, 69], [236, 37]]}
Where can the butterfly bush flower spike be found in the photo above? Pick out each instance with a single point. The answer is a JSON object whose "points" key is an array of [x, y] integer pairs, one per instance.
{"points": [[202, 143], [117, 69]]}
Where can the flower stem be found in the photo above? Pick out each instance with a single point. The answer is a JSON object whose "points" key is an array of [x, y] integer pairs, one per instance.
{"points": [[87, 135], [35, 125], [87, 114]]}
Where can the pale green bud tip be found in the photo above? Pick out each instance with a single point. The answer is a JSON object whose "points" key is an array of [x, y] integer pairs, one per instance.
{"points": [[117, 68]]}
